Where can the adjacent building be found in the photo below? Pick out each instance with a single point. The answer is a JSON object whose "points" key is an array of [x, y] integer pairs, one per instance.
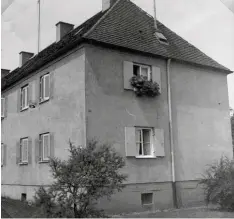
{"points": [[78, 88]]}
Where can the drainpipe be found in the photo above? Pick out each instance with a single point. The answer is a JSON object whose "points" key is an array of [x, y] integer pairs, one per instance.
{"points": [[171, 135]]}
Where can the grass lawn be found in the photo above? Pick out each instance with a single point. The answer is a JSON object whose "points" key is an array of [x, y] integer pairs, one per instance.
{"points": [[17, 209]]}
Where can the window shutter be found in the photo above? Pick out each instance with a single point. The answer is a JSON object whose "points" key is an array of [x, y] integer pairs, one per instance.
{"points": [[156, 75], [38, 151], [19, 98], [159, 142], [40, 90], [52, 81], [130, 142], [47, 86], [2, 107], [5, 106], [51, 145], [32, 92], [18, 152], [5, 154], [128, 73], [29, 150]]}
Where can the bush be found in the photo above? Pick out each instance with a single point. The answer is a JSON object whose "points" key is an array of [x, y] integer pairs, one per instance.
{"points": [[144, 87], [218, 182], [90, 173]]}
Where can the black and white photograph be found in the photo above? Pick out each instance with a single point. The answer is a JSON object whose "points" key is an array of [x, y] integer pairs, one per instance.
{"points": [[117, 108]]}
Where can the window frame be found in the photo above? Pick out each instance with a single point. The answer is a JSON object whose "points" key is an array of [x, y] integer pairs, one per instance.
{"points": [[26, 98], [22, 150], [43, 158], [149, 70], [142, 143], [42, 88], [3, 101]]}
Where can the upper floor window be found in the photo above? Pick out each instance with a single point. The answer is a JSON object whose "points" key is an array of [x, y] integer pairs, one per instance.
{"points": [[142, 70], [45, 88], [2, 107], [24, 150], [24, 97]]}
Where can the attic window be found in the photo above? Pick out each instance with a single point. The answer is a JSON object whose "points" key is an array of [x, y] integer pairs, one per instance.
{"points": [[161, 38]]}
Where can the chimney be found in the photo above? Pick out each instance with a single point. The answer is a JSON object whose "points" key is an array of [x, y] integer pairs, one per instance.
{"points": [[62, 29], [106, 4], [24, 57], [4, 72]]}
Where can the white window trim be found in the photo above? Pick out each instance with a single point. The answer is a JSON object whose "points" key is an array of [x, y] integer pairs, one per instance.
{"points": [[43, 146], [21, 151], [43, 98], [25, 97], [3, 111], [151, 143], [149, 73]]}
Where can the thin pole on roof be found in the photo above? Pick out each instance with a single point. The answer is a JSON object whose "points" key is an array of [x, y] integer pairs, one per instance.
{"points": [[39, 25], [155, 16]]}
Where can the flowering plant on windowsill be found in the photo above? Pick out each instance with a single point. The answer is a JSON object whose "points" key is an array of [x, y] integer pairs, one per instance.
{"points": [[142, 86]]}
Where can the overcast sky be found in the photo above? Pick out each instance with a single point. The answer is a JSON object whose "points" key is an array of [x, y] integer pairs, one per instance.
{"points": [[207, 24]]}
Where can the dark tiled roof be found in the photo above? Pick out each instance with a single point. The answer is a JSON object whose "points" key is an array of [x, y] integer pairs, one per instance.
{"points": [[124, 25]]}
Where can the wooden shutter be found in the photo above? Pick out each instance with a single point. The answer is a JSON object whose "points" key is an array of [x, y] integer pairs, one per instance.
{"points": [[38, 150], [5, 106], [158, 142], [18, 152], [19, 102], [29, 150], [32, 93], [52, 84], [51, 145], [127, 74], [47, 86], [2, 107], [156, 75], [40, 89], [5, 154], [130, 142]]}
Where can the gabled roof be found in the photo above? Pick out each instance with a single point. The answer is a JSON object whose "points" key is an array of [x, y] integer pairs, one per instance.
{"points": [[124, 25]]}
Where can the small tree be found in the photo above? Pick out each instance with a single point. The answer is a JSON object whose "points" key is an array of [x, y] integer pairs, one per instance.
{"points": [[218, 182], [89, 173]]}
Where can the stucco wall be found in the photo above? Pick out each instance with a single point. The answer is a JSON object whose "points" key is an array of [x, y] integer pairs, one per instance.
{"points": [[201, 119], [110, 109], [63, 116]]}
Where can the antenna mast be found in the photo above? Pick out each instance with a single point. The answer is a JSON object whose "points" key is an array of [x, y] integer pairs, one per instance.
{"points": [[155, 17], [39, 25]]}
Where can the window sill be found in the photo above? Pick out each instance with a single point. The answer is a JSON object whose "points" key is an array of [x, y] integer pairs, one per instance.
{"points": [[148, 156], [44, 101], [44, 161], [23, 163], [24, 109]]}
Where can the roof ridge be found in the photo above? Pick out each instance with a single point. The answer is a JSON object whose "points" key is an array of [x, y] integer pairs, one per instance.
{"points": [[100, 19]]}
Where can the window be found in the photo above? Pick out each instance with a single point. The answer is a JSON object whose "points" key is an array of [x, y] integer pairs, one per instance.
{"points": [[143, 70], [24, 150], [161, 38], [45, 88], [45, 146], [2, 154], [144, 141], [2, 107], [24, 97], [147, 198]]}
